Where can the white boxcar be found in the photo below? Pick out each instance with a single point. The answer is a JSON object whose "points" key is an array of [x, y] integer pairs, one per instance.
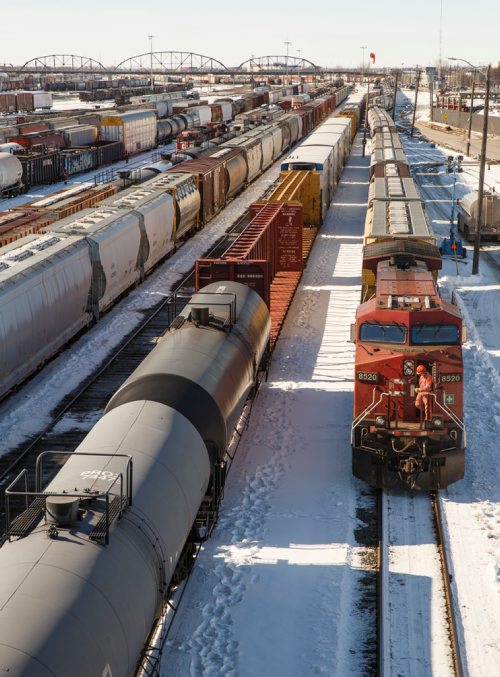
{"points": [[44, 290], [80, 135], [135, 129], [333, 139], [319, 158], [157, 224], [117, 250], [42, 100], [341, 125]]}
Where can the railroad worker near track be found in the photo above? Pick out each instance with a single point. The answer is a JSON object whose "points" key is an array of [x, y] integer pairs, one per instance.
{"points": [[423, 401], [65, 175]]}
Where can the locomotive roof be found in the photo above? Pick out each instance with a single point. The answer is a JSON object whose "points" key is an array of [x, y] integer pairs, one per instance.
{"points": [[392, 187], [407, 289], [399, 218]]}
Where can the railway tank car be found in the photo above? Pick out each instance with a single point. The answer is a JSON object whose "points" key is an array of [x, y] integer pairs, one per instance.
{"points": [[86, 569]]}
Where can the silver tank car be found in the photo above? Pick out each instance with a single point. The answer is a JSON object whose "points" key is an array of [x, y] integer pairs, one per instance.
{"points": [[205, 369], [81, 585]]}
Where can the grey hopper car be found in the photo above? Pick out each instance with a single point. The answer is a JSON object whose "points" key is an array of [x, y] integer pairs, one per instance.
{"points": [[80, 593], [44, 290]]}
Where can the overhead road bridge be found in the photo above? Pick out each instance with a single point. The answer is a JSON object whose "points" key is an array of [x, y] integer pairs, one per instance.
{"points": [[178, 63]]}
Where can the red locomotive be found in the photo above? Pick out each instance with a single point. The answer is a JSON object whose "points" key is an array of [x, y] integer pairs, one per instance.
{"points": [[404, 328]]}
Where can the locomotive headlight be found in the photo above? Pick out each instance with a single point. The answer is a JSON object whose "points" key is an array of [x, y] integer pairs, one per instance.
{"points": [[408, 367], [380, 421], [437, 422]]}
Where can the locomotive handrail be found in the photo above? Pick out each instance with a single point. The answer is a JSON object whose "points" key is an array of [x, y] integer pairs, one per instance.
{"points": [[374, 403], [448, 411], [365, 413]]}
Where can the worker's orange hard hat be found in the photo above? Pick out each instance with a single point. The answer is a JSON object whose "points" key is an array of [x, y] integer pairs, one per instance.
{"points": [[421, 369]]}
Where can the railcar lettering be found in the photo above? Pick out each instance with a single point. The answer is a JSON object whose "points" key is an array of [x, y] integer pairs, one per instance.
{"points": [[367, 376], [450, 378]]}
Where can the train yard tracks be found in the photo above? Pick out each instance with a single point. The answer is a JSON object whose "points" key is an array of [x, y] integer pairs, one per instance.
{"points": [[417, 626]]}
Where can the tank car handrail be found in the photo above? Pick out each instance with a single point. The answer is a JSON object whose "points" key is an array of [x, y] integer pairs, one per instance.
{"points": [[81, 495], [229, 304], [8, 492], [129, 468]]}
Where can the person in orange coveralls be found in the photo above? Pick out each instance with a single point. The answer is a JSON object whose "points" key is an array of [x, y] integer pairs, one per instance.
{"points": [[423, 401]]}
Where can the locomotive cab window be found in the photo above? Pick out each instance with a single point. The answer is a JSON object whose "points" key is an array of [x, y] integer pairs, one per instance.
{"points": [[382, 333], [435, 334]]}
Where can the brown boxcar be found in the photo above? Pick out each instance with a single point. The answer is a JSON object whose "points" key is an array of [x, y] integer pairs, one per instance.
{"points": [[211, 177]]}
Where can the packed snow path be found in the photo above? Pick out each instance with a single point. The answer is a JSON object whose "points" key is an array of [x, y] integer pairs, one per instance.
{"points": [[278, 588]]}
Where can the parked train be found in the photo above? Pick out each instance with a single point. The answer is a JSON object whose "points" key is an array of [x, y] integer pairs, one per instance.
{"points": [[79, 143], [82, 589], [401, 326], [53, 286], [104, 538]]}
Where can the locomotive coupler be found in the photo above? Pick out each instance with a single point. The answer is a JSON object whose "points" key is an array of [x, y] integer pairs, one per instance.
{"points": [[409, 470]]}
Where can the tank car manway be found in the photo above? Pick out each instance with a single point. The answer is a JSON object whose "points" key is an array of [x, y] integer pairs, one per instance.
{"points": [[73, 419], [417, 630]]}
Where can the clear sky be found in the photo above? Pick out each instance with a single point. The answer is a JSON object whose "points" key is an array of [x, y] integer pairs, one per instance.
{"points": [[329, 32]]}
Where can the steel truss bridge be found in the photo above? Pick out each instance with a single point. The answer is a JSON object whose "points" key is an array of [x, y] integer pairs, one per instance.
{"points": [[173, 63]]}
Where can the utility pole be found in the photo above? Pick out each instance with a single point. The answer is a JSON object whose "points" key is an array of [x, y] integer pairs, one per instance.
{"points": [[299, 52], [415, 104], [363, 65], [440, 40], [366, 115], [477, 243], [150, 38], [431, 98], [469, 131], [395, 94], [287, 43]]}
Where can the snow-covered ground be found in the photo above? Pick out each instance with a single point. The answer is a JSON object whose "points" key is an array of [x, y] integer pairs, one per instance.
{"points": [[472, 506], [278, 590]]}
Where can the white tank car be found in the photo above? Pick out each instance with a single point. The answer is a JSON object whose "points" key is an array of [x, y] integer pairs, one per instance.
{"points": [[11, 172], [79, 593]]}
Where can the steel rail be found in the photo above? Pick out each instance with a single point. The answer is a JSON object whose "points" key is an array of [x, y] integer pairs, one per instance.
{"points": [[458, 665]]}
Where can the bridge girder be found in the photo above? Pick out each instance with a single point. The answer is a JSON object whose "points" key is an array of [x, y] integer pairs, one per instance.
{"points": [[171, 62], [62, 63], [278, 64]]}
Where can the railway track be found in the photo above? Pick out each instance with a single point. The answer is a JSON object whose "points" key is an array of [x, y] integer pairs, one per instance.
{"points": [[417, 626]]}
